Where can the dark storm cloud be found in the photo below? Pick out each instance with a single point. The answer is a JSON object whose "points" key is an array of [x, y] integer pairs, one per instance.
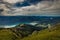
{"points": [[34, 1], [29, 2], [26, 3]]}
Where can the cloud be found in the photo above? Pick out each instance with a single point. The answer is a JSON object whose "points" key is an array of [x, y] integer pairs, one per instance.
{"points": [[7, 26], [13, 1], [41, 8]]}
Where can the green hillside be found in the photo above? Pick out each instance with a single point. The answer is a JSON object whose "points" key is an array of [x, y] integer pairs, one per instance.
{"points": [[7, 34], [45, 34], [53, 34]]}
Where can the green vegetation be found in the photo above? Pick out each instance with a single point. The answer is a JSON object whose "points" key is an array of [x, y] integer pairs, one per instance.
{"points": [[7, 34], [46, 34]]}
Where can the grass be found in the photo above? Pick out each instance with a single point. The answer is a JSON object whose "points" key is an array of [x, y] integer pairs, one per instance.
{"points": [[7, 34], [54, 34], [45, 34]]}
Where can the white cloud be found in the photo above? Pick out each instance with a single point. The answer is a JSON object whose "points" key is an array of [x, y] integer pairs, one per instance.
{"points": [[42, 8], [13, 1], [7, 26]]}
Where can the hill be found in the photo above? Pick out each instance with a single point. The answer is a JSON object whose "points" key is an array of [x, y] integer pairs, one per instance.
{"points": [[24, 32], [53, 34], [7, 34], [18, 32]]}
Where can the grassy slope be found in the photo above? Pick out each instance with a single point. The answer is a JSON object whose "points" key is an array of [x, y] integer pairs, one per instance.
{"points": [[7, 34], [45, 34]]}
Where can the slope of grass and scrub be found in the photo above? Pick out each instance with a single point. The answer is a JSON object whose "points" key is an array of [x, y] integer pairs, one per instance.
{"points": [[53, 34], [18, 32], [25, 33], [6, 34]]}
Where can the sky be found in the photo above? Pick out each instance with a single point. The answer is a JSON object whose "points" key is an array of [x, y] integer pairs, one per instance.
{"points": [[12, 10], [30, 7]]}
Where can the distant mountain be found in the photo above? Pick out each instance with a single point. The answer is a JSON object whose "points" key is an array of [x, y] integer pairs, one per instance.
{"points": [[13, 20]]}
